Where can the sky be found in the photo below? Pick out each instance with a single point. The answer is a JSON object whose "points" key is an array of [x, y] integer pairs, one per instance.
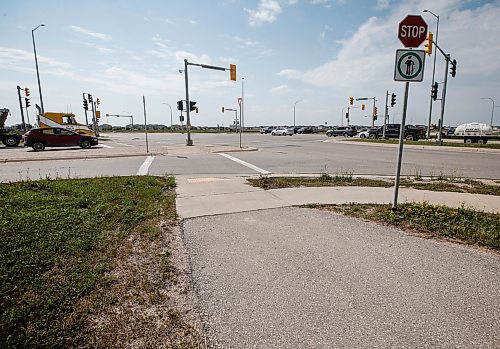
{"points": [[311, 54]]}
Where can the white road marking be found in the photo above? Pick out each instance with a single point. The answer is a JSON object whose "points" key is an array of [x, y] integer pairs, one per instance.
{"points": [[143, 170], [106, 146], [127, 145], [244, 163]]}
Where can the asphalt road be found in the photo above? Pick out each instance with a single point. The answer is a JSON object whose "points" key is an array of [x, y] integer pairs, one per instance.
{"points": [[304, 278], [287, 155]]}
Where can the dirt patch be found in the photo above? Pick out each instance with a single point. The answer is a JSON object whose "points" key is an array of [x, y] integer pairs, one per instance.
{"points": [[153, 303]]}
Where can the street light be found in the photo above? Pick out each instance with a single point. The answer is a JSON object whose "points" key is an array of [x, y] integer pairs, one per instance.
{"points": [[170, 115], [492, 109], [433, 72], [36, 63], [294, 104]]}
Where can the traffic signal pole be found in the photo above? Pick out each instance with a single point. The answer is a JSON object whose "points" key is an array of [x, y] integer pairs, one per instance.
{"points": [[188, 120], [443, 100], [21, 106], [386, 113], [86, 118]]}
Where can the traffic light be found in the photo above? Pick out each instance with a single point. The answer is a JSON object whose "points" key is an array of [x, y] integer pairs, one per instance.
{"points": [[223, 109], [393, 100], [375, 111], [180, 106], [453, 69], [428, 44], [232, 72], [97, 101], [27, 100], [85, 104], [374, 117], [347, 115], [362, 107], [181, 118], [351, 100], [27, 91], [90, 98], [192, 105], [434, 91]]}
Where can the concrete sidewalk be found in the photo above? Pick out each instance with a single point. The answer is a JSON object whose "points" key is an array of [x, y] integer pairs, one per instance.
{"points": [[205, 196]]}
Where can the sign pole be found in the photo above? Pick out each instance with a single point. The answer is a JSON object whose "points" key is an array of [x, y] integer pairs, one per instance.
{"points": [[400, 153], [145, 123]]}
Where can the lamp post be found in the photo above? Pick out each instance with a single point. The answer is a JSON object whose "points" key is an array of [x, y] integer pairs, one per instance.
{"points": [[294, 104], [492, 109], [433, 73], [170, 115], [36, 64]]}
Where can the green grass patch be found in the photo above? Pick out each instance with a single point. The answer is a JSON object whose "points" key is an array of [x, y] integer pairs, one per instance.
{"points": [[453, 185], [58, 239], [324, 180], [494, 145], [463, 224]]}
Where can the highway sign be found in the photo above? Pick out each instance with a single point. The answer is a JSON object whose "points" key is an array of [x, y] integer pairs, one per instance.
{"points": [[412, 31], [409, 65]]}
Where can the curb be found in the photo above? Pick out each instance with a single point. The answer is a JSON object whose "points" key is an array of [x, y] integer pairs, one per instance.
{"points": [[80, 157]]}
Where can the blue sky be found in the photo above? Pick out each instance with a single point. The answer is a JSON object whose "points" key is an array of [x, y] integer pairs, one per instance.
{"points": [[317, 51]]}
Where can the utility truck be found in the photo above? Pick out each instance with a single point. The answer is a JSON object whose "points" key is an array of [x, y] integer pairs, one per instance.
{"points": [[475, 132], [9, 138], [63, 120]]}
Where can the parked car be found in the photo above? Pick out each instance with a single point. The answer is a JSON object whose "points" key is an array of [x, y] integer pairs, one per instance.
{"points": [[266, 130], [282, 131], [39, 138], [346, 131], [307, 129]]}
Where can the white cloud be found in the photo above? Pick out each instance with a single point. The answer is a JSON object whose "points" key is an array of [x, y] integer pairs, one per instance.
{"points": [[279, 89], [266, 13], [191, 57], [192, 22], [24, 61], [101, 36], [383, 4]]}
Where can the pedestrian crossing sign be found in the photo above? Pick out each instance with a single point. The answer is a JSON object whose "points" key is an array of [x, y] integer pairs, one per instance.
{"points": [[409, 65]]}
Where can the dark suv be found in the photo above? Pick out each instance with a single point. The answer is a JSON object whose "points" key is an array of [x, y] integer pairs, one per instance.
{"points": [[346, 131], [39, 138], [412, 133]]}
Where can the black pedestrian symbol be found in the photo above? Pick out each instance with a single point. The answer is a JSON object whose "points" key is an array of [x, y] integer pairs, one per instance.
{"points": [[410, 66]]}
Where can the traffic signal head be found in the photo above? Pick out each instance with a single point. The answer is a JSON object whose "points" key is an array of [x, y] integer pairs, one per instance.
{"points": [[393, 100], [85, 104], [362, 107], [180, 106], [223, 109], [192, 105], [27, 91], [90, 98], [375, 111], [347, 115], [428, 44], [232, 72], [351, 100], [97, 101], [453, 70], [434, 91], [27, 100]]}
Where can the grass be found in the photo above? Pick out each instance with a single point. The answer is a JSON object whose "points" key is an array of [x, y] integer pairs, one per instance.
{"points": [[58, 241], [461, 224], [439, 183], [430, 143]]}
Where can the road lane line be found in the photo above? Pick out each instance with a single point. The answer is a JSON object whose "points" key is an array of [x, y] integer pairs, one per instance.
{"points": [[143, 170], [106, 146], [244, 163], [127, 145]]}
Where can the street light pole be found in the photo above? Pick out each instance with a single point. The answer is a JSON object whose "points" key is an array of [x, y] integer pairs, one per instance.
{"points": [[294, 104], [36, 64], [492, 109], [170, 115], [433, 73]]}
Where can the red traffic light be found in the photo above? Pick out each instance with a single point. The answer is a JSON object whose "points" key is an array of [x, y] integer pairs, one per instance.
{"points": [[27, 91]]}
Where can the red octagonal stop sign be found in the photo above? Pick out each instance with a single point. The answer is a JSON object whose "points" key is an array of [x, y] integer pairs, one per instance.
{"points": [[412, 31]]}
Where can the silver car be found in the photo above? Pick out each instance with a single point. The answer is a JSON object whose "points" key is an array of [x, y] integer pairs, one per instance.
{"points": [[282, 131]]}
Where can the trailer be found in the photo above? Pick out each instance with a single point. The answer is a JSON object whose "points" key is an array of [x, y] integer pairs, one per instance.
{"points": [[9, 138], [475, 132]]}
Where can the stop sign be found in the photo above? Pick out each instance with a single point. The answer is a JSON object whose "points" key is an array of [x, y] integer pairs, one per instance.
{"points": [[412, 31]]}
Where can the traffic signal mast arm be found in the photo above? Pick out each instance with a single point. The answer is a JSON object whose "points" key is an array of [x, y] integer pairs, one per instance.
{"points": [[446, 56]]}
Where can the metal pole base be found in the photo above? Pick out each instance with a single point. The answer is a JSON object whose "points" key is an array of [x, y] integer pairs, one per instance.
{"points": [[189, 142]]}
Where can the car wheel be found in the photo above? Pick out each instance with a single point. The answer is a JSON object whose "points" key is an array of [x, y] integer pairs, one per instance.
{"points": [[38, 146], [273, 133], [362, 136], [346, 135], [329, 134], [11, 141], [480, 141], [85, 144], [410, 138], [372, 136]]}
